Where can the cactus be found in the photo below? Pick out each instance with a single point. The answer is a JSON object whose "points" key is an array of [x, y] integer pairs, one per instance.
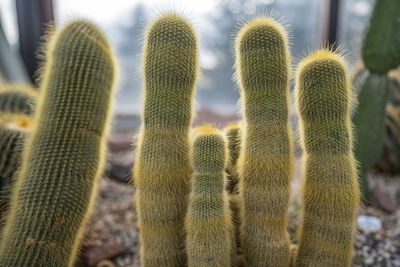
{"points": [[381, 45], [330, 189], [162, 171], [17, 98], [266, 161], [390, 160], [63, 157], [208, 222], [373, 86], [369, 121]]}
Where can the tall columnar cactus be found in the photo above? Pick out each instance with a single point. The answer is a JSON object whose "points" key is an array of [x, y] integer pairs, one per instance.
{"points": [[380, 53], [64, 154], [330, 189], [16, 98], [163, 170], [208, 222], [266, 162]]}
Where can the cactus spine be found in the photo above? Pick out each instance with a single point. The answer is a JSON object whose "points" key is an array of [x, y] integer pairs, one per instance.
{"points": [[64, 153], [163, 170], [208, 222], [266, 162], [330, 190]]}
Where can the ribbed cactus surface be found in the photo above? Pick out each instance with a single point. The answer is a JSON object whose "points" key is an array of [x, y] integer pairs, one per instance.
{"points": [[163, 170], [208, 222], [266, 162], [330, 190], [63, 156]]}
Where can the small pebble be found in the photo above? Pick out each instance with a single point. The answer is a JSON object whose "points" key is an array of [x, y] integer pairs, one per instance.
{"points": [[369, 224]]}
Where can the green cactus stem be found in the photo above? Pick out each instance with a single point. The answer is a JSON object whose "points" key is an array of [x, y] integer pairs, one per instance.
{"points": [[330, 188], [162, 171], [208, 222], [64, 155], [266, 162]]}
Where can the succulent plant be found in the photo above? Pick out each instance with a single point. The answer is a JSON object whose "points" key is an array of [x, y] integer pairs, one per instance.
{"points": [[330, 189], [163, 167], [208, 221], [64, 154], [266, 160]]}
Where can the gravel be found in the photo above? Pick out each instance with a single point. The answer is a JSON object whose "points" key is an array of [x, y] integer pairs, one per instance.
{"points": [[114, 222]]}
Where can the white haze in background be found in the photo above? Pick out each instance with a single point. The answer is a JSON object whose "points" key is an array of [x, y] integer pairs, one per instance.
{"points": [[216, 90]]}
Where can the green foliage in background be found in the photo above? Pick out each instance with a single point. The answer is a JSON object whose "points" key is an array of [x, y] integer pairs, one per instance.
{"points": [[390, 159], [380, 53], [381, 45]]}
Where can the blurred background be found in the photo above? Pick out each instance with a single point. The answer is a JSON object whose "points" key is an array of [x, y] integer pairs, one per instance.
{"points": [[311, 22], [112, 234]]}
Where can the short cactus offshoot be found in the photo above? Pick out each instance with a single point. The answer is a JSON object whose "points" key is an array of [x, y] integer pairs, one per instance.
{"points": [[208, 222], [330, 191], [16, 108], [163, 170], [266, 162], [64, 154], [17, 99]]}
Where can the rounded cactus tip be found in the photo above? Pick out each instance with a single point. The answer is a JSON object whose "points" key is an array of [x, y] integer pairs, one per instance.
{"points": [[262, 27], [324, 56], [171, 27], [232, 126], [86, 30], [323, 86], [208, 146], [205, 129]]}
